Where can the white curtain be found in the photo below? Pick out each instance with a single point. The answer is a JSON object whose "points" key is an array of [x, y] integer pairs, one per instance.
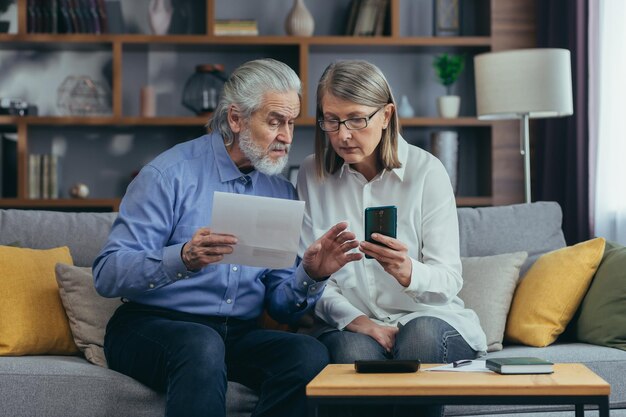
{"points": [[607, 119]]}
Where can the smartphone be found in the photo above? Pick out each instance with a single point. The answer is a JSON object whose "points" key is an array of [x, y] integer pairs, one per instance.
{"points": [[381, 220], [386, 366]]}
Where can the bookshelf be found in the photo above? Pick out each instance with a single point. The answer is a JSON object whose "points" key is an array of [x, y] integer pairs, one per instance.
{"points": [[490, 164]]}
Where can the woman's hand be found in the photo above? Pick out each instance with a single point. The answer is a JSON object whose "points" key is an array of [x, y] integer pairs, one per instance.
{"points": [[384, 335], [393, 257]]}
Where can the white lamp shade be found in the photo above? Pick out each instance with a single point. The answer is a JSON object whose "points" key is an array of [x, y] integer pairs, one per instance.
{"points": [[536, 82]]}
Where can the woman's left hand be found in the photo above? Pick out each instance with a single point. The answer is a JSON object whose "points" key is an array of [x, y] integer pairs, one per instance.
{"points": [[393, 257]]}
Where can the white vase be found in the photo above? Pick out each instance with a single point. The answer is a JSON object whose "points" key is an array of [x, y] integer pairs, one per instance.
{"points": [[448, 106], [299, 21], [445, 146], [160, 16], [404, 108]]}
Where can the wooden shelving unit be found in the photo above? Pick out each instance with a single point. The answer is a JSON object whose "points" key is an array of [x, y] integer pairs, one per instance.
{"points": [[505, 172]]}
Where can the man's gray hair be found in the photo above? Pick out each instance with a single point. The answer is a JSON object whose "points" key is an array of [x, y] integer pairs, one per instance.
{"points": [[246, 87]]}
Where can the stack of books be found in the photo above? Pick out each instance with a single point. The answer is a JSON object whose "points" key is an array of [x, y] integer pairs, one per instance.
{"points": [[67, 16], [234, 27], [519, 365], [43, 176], [367, 17]]}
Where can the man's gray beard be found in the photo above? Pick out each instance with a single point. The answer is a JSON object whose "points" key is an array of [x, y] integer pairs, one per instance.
{"points": [[259, 157]]}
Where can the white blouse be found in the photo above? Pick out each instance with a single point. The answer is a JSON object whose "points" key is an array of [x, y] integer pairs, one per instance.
{"points": [[427, 224]]}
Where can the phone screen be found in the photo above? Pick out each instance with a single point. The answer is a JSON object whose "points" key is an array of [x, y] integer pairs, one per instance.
{"points": [[381, 220]]}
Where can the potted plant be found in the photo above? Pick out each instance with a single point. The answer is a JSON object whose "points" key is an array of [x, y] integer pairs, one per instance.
{"points": [[448, 68]]}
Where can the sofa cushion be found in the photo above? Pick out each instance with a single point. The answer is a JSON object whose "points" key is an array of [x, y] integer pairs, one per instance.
{"points": [[602, 318], [534, 228], [87, 311], [83, 233], [72, 387], [488, 286], [549, 294], [33, 318]]}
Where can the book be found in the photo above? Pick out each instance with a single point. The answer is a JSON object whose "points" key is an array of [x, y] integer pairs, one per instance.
{"points": [[114, 16], [8, 169], [352, 16], [519, 365], [236, 27]]}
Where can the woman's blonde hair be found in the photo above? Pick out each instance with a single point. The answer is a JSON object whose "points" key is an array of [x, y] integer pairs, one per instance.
{"points": [[362, 83]]}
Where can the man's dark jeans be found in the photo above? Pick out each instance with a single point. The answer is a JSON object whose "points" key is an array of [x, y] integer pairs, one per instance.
{"points": [[190, 358]]}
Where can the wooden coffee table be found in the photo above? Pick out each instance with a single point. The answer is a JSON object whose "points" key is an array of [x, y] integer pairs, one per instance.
{"points": [[571, 383]]}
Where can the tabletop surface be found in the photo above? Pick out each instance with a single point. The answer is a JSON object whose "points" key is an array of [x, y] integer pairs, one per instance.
{"points": [[567, 379]]}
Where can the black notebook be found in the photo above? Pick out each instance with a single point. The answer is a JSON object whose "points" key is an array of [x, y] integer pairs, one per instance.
{"points": [[520, 365]]}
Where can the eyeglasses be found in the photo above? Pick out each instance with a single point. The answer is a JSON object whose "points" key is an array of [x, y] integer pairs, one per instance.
{"points": [[356, 123]]}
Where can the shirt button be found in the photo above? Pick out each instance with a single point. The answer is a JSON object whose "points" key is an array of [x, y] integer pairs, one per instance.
{"points": [[179, 275], [229, 301], [151, 285], [313, 287], [297, 304], [305, 283], [235, 268]]}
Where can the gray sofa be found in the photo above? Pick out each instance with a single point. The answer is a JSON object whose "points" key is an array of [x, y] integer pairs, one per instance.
{"points": [[67, 386]]}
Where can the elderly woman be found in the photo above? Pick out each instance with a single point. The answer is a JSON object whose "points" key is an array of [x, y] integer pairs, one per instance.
{"points": [[402, 303]]}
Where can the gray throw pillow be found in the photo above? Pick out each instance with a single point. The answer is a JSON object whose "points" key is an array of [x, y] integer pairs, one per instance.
{"points": [[87, 311], [488, 286]]}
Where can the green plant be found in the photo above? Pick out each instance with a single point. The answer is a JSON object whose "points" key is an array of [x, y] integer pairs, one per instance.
{"points": [[448, 69]]}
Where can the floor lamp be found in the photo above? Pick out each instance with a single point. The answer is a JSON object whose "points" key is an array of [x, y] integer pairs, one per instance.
{"points": [[523, 84]]}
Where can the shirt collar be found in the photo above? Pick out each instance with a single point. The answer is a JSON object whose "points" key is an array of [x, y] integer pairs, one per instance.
{"points": [[227, 169], [403, 156]]}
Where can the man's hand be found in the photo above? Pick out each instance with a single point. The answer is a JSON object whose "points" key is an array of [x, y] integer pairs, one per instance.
{"points": [[384, 335], [206, 247], [331, 252], [393, 257]]}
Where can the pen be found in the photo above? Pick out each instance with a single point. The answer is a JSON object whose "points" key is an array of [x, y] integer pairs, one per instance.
{"points": [[458, 364]]}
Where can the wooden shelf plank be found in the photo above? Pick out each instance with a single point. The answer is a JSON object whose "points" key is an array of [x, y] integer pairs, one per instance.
{"points": [[474, 201], [202, 120], [420, 121], [426, 41], [105, 120]]}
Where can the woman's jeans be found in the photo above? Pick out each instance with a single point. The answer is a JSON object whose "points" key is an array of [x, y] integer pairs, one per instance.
{"points": [[429, 339], [191, 357]]}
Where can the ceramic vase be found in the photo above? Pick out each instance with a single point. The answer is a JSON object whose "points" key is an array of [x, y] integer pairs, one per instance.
{"points": [[405, 109], [448, 106], [160, 16], [147, 102], [445, 146], [299, 21]]}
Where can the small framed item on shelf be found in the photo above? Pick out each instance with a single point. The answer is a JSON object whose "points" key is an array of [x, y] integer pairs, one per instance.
{"points": [[16, 107], [447, 17]]}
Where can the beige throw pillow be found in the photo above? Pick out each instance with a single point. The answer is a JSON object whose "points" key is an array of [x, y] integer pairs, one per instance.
{"points": [[488, 286], [87, 311]]}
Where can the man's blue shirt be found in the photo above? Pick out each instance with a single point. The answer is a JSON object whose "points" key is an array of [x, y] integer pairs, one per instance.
{"points": [[168, 201]]}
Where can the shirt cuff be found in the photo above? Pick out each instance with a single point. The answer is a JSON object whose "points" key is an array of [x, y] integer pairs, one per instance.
{"points": [[420, 277], [173, 264], [306, 285]]}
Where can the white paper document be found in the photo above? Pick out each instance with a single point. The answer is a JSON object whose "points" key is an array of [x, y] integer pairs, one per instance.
{"points": [[474, 366], [267, 229]]}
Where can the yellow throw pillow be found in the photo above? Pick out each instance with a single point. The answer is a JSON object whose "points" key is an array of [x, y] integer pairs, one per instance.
{"points": [[551, 291], [33, 319]]}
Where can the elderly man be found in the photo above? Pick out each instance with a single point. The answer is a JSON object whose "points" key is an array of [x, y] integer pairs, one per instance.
{"points": [[187, 322]]}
